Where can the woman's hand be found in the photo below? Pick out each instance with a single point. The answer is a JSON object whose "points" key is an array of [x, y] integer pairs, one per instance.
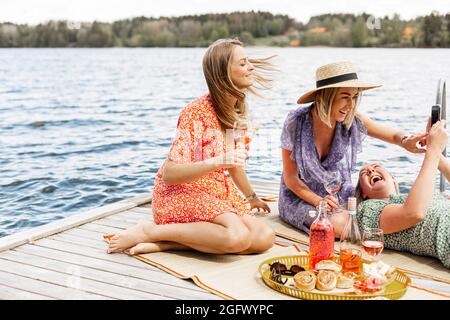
{"points": [[260, 205], [437, 138], [332, 202], [410, 143], [230, 159]]}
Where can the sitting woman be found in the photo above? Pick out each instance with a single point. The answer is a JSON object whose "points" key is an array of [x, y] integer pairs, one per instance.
{"points": [[418, 222], [195, 203], [324, 138]]}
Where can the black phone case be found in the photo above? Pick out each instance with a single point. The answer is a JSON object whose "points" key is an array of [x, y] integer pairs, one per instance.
{"points": [[435, 114]]}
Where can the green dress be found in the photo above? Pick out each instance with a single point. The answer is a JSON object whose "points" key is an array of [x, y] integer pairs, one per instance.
{"points": [[430, 237]]}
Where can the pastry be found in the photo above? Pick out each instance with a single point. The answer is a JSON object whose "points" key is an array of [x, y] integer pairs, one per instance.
{"points": [[305, 280], [326, 280], [379, 270], [352, 275], [345, 281], [370, 285], [328, 265]]}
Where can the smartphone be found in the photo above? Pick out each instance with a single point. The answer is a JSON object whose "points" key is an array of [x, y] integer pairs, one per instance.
{"points": [[435, 114]]}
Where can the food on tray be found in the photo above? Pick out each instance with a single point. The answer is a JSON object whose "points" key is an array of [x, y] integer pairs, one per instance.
{"points": [[328, 265], [369, 285], [346, 280], [330, 278], [305, 280], [326, 280], [378, 270]]}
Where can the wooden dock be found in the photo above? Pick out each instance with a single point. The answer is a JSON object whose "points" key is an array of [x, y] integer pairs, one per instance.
{"points": [[67, 259]]}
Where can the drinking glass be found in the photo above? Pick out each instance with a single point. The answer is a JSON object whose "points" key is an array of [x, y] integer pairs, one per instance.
{"points": [[373, 242], [333, 185], [243, 132]]}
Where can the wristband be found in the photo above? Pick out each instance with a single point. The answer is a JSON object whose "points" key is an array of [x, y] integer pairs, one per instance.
{"points": [[251, 197], [403, 138]]}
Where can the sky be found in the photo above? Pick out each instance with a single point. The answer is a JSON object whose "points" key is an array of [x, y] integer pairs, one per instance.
{"points": [[36, 11]]}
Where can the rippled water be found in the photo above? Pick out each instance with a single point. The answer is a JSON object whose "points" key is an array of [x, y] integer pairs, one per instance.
{"points": [[81, 128]]}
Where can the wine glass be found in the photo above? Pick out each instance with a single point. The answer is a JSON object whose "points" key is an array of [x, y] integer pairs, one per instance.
{"points": [[373, 242], [333, 184], [243, 132]]}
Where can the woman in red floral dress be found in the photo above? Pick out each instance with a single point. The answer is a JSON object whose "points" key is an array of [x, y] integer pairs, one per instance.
{"points": [[196, 204]]}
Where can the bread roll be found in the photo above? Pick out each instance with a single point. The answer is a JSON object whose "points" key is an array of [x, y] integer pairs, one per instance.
{"points": [[344, 281], [326, 280], [305, 280], [328, 265]]}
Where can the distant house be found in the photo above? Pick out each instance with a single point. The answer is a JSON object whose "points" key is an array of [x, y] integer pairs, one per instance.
{"points": [[318, 30]]}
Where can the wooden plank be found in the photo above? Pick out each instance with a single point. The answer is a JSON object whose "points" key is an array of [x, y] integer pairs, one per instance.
{"points": [[76, 281], [46, 288], [89, 252], [105, 277], [147, 210], [43, 231], [92, 243], [8, 293], [126, 218], [136, 217], [83, 234], [149, 272], [267, 188], [141, 199], [114, 223], [100, 228], [261, 182]]}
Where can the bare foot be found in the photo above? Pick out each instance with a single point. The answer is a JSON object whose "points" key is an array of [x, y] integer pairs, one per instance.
{"points": [[128, 238], [141, 248]]}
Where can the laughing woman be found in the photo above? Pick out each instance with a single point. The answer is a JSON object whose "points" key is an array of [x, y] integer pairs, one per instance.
{"points": [[325, 137], [418, 222], [195, 203]]}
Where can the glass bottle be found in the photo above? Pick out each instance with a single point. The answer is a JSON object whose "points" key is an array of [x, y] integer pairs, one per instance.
{"points": [[350, 243], [321, 237]]}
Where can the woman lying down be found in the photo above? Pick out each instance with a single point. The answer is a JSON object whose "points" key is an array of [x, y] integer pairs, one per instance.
{"points": [[418, 222]]}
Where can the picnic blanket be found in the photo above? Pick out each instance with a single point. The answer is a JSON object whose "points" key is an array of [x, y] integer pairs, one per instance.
{"points": [[427, 267], [236, 277]]}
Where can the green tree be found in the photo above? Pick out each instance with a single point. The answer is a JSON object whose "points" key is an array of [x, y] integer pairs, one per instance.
{"points": [[359, 32], [247, 38], [190, 33], [96, 35], [432, 26], [9, 35]]}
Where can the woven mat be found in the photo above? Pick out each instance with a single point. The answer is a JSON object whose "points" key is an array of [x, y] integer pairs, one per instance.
{"points": [[236, 277], [426, 267]]}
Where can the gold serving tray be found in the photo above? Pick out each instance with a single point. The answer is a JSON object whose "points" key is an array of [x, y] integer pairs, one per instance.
{"points": [[394, 290]]}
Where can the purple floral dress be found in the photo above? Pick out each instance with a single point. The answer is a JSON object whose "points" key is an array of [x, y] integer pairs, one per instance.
{"points": [[298, 136]]}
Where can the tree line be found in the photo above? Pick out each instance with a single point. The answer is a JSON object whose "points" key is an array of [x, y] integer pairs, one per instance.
{"points": [[253, 28]]}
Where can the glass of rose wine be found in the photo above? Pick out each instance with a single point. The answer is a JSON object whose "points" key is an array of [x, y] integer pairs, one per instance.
{"points": [[333, 185], [243, 132], [373, 242]]}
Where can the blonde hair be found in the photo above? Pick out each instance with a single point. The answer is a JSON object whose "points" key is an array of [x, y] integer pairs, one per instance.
{"points": [[216, 69], [323, 102]]}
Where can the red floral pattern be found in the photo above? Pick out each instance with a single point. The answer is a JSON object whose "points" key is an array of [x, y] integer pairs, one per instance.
{"points": [[198, 138]]}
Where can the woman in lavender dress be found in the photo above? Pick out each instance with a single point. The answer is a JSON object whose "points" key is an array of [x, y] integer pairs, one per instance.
{"points": [[325, 137]]}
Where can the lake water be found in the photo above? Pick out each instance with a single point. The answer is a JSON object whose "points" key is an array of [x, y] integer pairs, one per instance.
{"points": [[81, 128]]}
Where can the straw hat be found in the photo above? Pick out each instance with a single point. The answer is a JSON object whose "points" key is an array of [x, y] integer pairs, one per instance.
{"points": [[336, 75]]}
